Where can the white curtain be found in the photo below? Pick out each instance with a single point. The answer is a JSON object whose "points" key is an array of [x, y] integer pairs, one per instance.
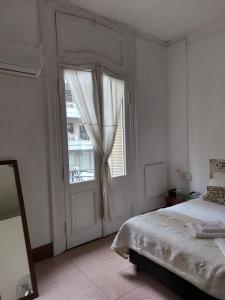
{"points": [[101, 131], [113, 94], [83, 89]]}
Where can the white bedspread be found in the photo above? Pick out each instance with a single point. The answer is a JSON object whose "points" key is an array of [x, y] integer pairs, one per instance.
{"points": [[200, 209], [162, 237]]}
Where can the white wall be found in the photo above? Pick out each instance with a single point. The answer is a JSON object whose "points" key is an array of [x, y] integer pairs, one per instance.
{"points": [[151, 113], [206, 106], [177, 110], [23, 119], [23, 124], [19, 21], [24, 138]]}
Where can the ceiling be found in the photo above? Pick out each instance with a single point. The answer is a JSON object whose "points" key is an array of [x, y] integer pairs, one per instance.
{"points": [[163, 19]]}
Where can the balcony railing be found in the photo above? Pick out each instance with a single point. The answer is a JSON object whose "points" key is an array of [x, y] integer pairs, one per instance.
{"points": [[76, 176]]}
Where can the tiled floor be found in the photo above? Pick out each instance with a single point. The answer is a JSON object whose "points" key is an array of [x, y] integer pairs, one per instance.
{"points": [[94, 272]]}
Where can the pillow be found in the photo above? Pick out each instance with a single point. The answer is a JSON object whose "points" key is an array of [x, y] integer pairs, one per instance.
{"points": [[215, 194], [219, 175], [217, 182]]}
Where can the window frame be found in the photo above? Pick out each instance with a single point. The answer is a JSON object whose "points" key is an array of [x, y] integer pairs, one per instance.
{"points": [[88, 68], [97, 71], [123, 123], [100, 70]]}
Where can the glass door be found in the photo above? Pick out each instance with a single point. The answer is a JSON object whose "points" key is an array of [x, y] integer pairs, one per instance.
{"points": [[119, 160], [87, 119], [83, 209]]}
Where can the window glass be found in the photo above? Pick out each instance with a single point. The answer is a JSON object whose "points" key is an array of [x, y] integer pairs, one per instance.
{"points": [[80, 148], [113, 94], [117, 160]]}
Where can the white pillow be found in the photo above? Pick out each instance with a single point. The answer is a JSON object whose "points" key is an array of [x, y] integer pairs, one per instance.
{"points": [[217, 182], [219, 175]]}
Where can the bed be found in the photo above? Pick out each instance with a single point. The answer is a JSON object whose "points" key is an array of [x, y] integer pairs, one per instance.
{"points": [[161, 239], [160, 243]]}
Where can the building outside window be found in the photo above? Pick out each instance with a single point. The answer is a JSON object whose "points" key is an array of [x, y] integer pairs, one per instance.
{"points": [[70, 128], [81, 152]]}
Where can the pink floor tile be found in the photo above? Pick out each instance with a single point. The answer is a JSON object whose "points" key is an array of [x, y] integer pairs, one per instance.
{"points": [[45, 284], [88, 263], [151, 291], [102, 250], [74, 284], [63, 270], [94, 272], [53, 294], [117, 263], [113, 284], [132, 275], [92, 293], [160, 292], [44, 279]]}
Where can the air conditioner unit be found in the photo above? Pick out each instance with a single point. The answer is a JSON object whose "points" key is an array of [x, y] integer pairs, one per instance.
{"points": [[23, 60]]}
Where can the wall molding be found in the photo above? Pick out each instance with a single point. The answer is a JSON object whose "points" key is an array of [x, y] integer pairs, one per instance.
{"points": [[55, 163], [99, 52]]}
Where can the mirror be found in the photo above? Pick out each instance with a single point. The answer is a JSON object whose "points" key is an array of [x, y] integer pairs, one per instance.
{"points": [[17, 276]]}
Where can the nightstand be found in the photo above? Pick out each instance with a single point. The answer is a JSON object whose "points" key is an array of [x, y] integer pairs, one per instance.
{"points": [[173, 200], [180, 198]]}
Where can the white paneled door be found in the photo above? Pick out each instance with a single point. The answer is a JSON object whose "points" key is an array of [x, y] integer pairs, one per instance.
{"points": [[120, 168], [83, 196], [81, 172]]}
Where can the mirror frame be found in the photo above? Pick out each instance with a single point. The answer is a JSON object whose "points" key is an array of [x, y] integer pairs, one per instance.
{"points": [[14, 165]]}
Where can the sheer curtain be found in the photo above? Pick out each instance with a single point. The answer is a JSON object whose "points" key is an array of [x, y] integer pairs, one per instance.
{"points": [[113, 94], [101, 130]]}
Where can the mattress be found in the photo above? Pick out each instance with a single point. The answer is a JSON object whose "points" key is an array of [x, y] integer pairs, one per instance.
{"points": [[163, 237], [200, 209]]}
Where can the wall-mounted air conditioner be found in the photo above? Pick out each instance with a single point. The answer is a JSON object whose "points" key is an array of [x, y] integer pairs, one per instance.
{"points": [[23, 60]]}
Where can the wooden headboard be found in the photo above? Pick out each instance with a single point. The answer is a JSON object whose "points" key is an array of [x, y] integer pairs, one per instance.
{"points": [[216, 165]]}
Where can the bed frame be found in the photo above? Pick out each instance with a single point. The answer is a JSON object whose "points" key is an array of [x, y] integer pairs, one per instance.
{"points": [[179, 285]]}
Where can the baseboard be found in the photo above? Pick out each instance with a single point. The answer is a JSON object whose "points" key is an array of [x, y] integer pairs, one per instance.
{"points": [[42, 252], [59, 246]]}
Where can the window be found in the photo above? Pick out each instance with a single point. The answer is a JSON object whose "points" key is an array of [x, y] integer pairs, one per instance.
{"points": [[83, 133], [70, 127], [80, 148], [117, 160], [113, 96], [68, 94], [81, 164]]}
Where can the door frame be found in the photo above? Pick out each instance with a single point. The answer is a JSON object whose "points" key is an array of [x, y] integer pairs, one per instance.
{"points": [[118, 183], [79, 186], [121, 182], [50, 81]]}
